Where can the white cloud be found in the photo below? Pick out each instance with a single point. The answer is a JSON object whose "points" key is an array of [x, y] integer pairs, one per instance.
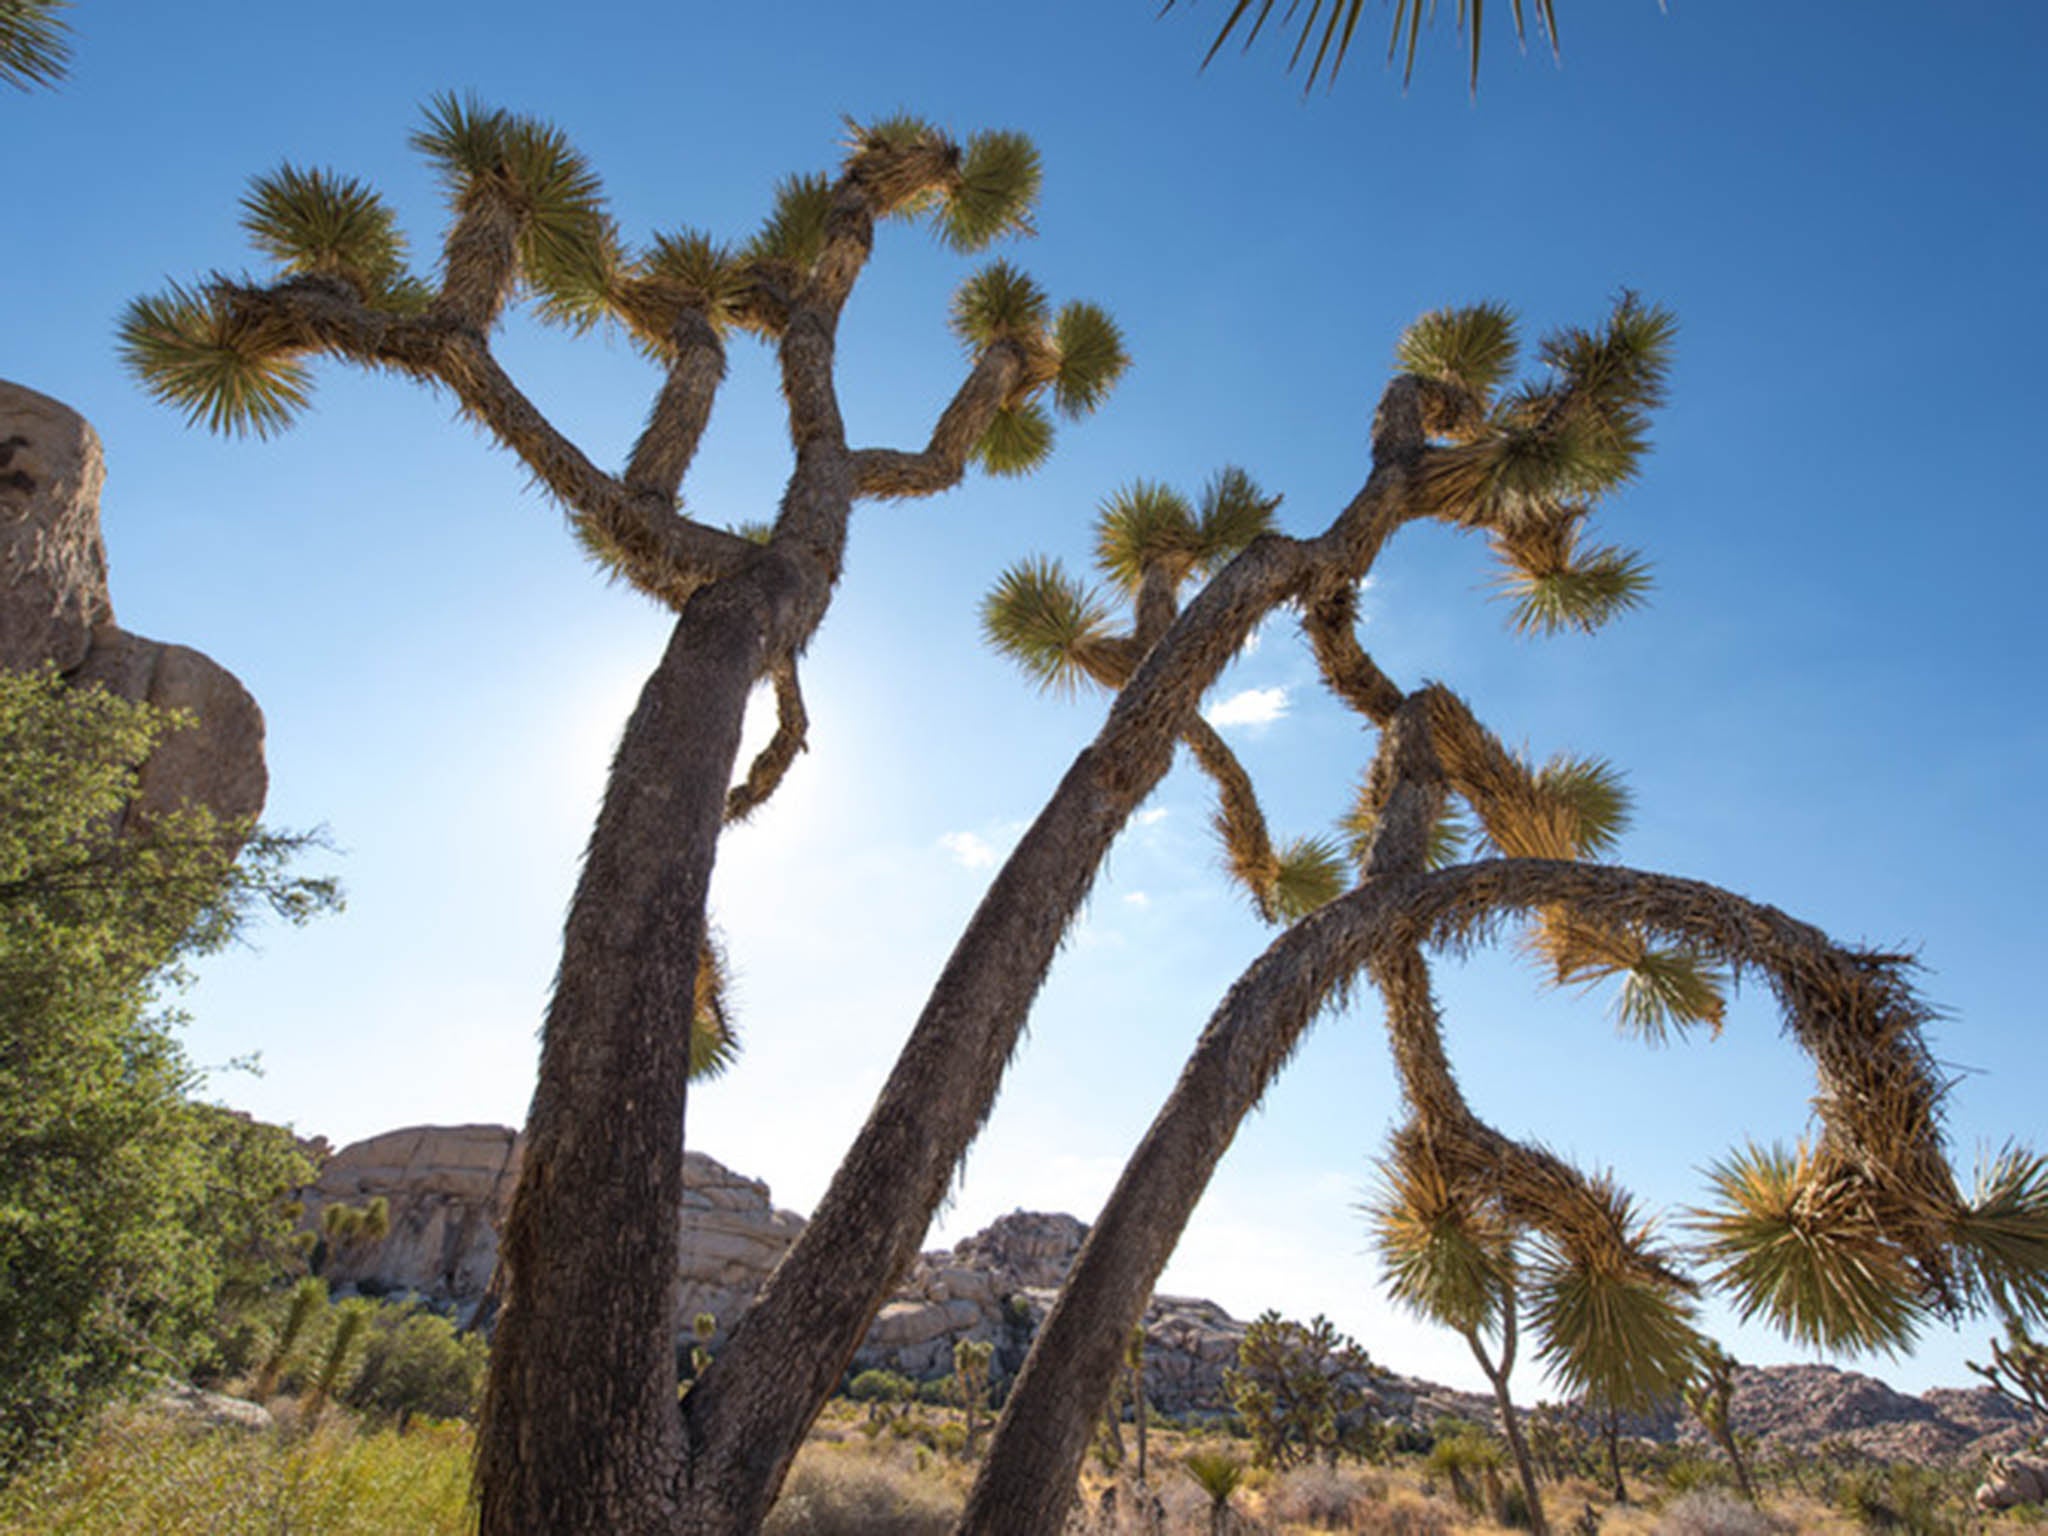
{"points": [[1150, 817], [1254, 707], [1137, 899], [968, 850]]}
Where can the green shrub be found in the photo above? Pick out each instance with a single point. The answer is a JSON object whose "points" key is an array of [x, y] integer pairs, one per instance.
{"points": [[417, 1364]]}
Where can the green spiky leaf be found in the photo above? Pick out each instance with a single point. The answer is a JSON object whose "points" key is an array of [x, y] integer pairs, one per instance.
{"points": [[1612, 1334], [1596, 799], [2002, 1234], [794, 233], [687, 270], [997, 189], [1142, 524], [999, 303], [1092, 358], [464, 138], [1473, 348], [1310, 873], [1804, 1253], [1233, 511], [1045, 622], [1449, 835], [1444, 1256], [1018, 440], [35, 47], [320, 224], [1670, 990], [568, 250], [191, 350], [1601, 584]]}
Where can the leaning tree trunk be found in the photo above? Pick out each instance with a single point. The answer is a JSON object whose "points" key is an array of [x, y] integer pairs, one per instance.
{"points": [[1518, 1444], [580, 1434]]}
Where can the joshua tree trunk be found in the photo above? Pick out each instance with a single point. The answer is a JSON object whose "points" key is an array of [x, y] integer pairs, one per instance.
{"points": [[1511, 1421], [1610, 1435]]}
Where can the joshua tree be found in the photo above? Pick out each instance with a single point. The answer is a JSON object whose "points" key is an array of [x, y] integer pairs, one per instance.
{"points": [[1711, 1396], [1847, 1242], [1452, 1260], [971, 1359], [580, 1428], [1218, 1473], [1301, 1390]]}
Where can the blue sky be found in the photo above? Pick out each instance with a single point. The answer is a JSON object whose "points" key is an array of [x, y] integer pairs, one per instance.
{"points": [[1831, 705]]}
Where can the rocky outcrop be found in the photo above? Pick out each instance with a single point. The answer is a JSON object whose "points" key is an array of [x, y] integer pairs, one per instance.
{"points": [[55, 609], [447, 1189]]}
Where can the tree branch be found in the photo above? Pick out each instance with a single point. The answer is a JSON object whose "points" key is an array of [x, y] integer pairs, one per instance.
{"points": [[773, 760], [890, 474]]}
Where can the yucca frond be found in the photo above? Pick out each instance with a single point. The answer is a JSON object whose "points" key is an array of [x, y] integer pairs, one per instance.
{"points": [[1800, 1248], [464, 138], [1601, 584], [794, 232], [2002, 1234], [999, 303], [1340, 21], [1309, 873], [1144, 523], [1595, 797], [1472, 347], [714, 1041], [1445, 1256], [1045, 622], [1018, 440], [995, 194], [905, 164], [897, 130], [192, 351], [568, 250], [1231, 513], [1669, 990], [1624, 366], [1611, 1333], [35, 46], [1092, 358], [324, 225], [686, 270]]}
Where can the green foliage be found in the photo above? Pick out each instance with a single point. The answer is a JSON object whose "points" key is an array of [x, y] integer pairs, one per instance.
{"points": [[1446, 1256], [1045, 622], [304, 1312], [794, 233], [1340, 21], [2018, 1372], [881, 1387], [1599, 586], [1000, 175], [1143, 524], [1092, 358], [1473, 348], [1311, 874], [999, 303], [318, 224], [120, 1217], [1806, 1254], [1669, 989], [1018, 440], [196, 352], [1217, 1473], [417, 1364], [34, 46], [2003, 1235], [1232, 512], [1595, 798], [1301, 1389]]}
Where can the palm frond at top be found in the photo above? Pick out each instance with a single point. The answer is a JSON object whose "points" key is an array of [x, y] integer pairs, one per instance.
{"points": [[685, 270], [1308, 873], [999, 303], [1017, 441], [1045, 622], [1797, 1244], [1613, 1334], [793, 234], [1231, 512], [1445, 1256], [1596, 587], [1327, 31], [1595, 797], [35, 45], [194, 351]]}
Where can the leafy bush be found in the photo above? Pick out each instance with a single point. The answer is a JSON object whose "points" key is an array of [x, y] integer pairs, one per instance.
{"points": [[1301, 1390], [417, 1364], [837, 1497]]}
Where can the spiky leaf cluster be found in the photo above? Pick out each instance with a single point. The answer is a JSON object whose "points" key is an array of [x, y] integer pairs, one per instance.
{"points": [[319, 224], [1091, 358], [568, 252], [1473, 348], [196, 351], [35, 48], [1340, 20], [688, 270], [1080, 355], [793, 234], [996, 191], [1018, 439], [2002, 1235], [1449, 835], [1583, 592], [1309, 873], [1045, 622], [1796, 1242], [714, 1039], [1148, 524], [1445, 1255]]}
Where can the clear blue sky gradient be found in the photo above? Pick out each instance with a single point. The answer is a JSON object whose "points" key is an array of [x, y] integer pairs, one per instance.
{"points": [[1833, 704]]}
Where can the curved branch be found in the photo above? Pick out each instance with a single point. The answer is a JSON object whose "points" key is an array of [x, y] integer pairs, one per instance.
{"points": [[891, 474], [479, 260], [676, 425], [1330, 620], [1849, 1010], [1238, 816], [773, 760]]}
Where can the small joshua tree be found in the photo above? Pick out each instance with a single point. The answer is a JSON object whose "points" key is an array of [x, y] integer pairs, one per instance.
{"points": [[1711, 1398], [971, 1359], [1300, 1389]]}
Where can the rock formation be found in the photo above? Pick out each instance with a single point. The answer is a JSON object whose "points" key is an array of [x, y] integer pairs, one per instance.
{"points": [[55, 609], [447, 1189]]}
